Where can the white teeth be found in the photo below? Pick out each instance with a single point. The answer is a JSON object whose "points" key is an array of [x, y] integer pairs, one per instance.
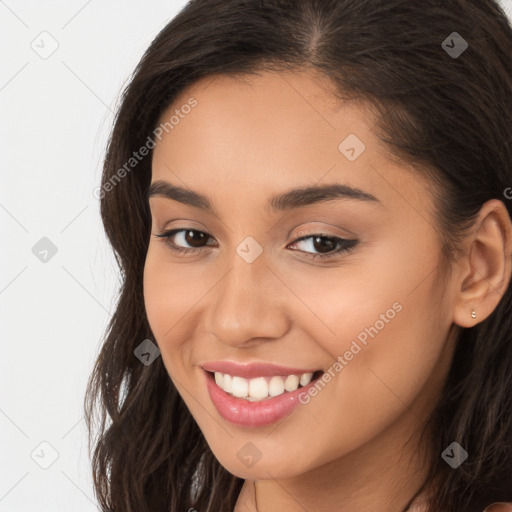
{"points": [[291, 383], [276, 386], [227, 387], [305, 379], [240, 387], [260, 388]]}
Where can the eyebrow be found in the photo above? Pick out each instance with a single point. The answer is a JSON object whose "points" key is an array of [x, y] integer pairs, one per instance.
{"points": [[295, 198]]}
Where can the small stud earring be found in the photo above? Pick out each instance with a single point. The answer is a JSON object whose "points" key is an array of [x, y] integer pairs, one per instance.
{"points": [[473, 314]]}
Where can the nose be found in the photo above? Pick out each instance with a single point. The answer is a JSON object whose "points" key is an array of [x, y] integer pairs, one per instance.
{"points": [[248, 305]]}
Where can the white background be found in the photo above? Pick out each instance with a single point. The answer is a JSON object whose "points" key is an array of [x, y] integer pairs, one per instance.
{"points": [[55, 117]]}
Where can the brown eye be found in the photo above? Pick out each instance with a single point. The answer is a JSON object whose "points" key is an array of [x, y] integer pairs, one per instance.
{"points": [[185, 240], [324, 246], [195, 238]]}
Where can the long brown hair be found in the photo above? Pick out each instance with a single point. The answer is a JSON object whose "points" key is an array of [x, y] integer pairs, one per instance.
{"points": [[451, 114]]}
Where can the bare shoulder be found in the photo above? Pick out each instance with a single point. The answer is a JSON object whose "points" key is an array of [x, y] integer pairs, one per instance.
{"points": [[499, 507], [495, 507]]}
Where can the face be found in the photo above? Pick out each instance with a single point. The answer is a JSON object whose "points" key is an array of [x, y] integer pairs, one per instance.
{"points": [[345, 283]]}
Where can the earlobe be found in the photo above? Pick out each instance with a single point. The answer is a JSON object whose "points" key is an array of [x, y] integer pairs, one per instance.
{"points": [[486, 266]]}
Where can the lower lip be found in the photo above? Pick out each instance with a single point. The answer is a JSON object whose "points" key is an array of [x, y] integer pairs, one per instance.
{"points": [[253, 414]]}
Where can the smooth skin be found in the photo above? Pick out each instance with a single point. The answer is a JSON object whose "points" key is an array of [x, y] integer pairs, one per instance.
{"points": [[248, 139]]}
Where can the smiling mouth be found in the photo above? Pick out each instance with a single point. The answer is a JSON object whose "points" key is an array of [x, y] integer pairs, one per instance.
{"points": [[262, 388]]}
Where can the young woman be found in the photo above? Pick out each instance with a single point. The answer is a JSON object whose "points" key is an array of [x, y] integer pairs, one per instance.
{"points": [[310, 203]]}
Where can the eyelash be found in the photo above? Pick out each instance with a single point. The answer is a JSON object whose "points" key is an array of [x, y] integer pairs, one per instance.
{"points": [[347, 245]]}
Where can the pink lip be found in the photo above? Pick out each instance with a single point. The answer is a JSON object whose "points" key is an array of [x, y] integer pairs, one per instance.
{"points": [[253, 370], [253, 414]]}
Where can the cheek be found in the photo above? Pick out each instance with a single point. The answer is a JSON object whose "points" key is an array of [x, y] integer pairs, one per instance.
{"points": [[386, 294], [170, 290], [394, 374], [158, 297], [167, 298]]}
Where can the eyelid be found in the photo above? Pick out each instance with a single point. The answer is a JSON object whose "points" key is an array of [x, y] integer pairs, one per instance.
{"points": [[182, 224], [321, 229]]}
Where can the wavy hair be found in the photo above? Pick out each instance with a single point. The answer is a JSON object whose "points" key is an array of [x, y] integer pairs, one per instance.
{"points": [[450, 116]]}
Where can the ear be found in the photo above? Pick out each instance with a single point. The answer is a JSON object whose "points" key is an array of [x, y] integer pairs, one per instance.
{"points": [[485, 269]]}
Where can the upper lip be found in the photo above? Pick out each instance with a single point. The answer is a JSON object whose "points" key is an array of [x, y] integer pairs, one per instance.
{"points": [[252, 370]]}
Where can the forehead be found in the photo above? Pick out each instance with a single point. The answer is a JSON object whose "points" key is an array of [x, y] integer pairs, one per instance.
{"points": [[281, 110], [266, 133]]}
